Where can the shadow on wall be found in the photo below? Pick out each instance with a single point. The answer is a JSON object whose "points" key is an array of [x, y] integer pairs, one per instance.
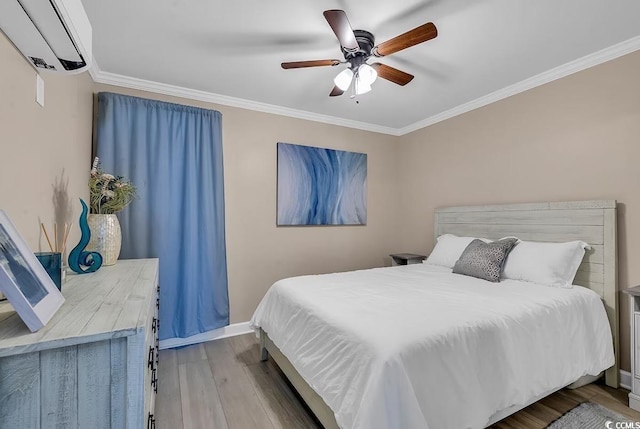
{"points": [[62, 207], [623, 271]]}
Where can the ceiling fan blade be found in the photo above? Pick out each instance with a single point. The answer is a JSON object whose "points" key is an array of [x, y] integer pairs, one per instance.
{"points": [[392, 74], [339, 23], [313, 63], [336, 92], [406, 40]]}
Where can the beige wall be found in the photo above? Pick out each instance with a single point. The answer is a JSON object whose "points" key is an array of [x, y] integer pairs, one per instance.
{"points": [[42, 146], [37, 144], [259, 253], [577, 138]]}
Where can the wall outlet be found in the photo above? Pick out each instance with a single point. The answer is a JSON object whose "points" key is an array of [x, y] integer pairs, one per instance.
{"points": [[39, 90]]}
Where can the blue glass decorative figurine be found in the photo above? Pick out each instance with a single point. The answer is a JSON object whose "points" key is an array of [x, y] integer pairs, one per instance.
{"points": [[78, 256]]}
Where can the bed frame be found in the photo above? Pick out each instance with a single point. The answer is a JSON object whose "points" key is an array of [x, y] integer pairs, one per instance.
{"points": [[591, 221]]}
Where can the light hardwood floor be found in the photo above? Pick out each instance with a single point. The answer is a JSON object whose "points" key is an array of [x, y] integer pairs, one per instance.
{"points": [[223, 385]]}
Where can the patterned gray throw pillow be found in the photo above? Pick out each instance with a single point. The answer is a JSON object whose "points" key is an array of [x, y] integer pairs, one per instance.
{"points": [[484, 260]]}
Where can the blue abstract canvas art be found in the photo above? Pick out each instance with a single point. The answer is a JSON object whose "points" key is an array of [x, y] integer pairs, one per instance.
{"points": [[319, 186]]}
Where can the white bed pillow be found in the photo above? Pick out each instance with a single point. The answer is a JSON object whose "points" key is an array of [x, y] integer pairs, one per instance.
{"points": [[448, 249], [551, 264]]}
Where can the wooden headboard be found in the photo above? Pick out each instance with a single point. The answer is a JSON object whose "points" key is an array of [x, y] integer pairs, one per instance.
{"points": [[593, 222]]}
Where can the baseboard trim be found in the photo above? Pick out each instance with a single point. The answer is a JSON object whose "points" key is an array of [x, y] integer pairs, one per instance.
{"points": [[625, 379], [224, 332]]}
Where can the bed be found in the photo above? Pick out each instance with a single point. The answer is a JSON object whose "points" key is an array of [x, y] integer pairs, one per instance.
{"points": [[355, 344]]}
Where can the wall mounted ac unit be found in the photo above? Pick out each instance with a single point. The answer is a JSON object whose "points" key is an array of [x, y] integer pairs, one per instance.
{"points": [[53, 35]]}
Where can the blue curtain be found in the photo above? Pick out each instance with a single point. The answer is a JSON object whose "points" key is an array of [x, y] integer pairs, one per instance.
{"points": [[173, 154]]}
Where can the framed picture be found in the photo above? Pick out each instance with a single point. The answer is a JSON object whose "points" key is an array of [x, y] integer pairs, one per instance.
{"points": [[318, 186], [24, 281]]}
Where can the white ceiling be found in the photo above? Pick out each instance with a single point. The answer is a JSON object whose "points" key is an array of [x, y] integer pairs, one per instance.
{"points": [[234, 48]]}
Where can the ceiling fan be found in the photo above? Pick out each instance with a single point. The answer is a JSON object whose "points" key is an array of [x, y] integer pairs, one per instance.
{"points": [[357, 47]]}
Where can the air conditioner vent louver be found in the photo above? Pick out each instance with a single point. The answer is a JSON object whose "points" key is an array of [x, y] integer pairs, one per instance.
{"points": [[41, 64]]}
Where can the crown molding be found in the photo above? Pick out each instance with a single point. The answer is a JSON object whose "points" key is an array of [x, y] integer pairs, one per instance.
{"points": [[100, 76], [94, 70], [604, 55], [556, 73]]}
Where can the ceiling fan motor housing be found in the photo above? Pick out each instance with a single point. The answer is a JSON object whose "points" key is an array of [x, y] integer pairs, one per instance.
{"points": [[366, 41]]}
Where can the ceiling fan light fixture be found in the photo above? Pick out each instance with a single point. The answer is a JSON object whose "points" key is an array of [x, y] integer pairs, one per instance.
{"points": [[366, 74], [361, 87], [343, 80]]}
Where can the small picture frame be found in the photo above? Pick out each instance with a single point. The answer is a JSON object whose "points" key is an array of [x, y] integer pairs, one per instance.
{"points": [[23, 280]]}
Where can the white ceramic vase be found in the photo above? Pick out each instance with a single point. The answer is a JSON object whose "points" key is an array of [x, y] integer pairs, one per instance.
{"points": [[106, 237]]}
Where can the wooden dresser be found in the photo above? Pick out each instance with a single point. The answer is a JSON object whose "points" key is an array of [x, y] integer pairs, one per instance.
{"points": [[94, 364]]}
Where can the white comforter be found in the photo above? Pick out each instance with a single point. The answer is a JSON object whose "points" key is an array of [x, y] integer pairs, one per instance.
{"points": [[408, 347]]}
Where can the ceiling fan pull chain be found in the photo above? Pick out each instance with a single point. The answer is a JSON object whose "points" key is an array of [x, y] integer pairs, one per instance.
{"points": [[354, 83], [355, 94]]}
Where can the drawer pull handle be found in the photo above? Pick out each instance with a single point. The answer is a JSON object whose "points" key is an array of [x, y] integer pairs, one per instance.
{"points": [[151, 422], [154, 325], [154, 380], [150, 359], [157, 351], [158, 303]]}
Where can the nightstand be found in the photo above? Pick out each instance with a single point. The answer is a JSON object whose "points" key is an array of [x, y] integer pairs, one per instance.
{"points": [[634, 395], [406, 258]]}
